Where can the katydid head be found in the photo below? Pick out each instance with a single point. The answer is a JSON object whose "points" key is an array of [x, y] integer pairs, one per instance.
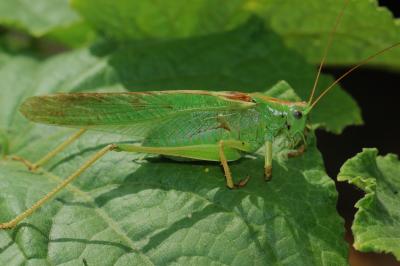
{"points": [[296, 121]]}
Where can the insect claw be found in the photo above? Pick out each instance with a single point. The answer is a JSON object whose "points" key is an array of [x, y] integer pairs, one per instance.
{"points": [[297, 152], [242, 182], [268, 173], [31, 166], [5, 226]]}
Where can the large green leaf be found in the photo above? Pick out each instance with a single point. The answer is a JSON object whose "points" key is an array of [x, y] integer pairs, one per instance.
{"points": [[304, 25], [130, 211], [377, 222]]}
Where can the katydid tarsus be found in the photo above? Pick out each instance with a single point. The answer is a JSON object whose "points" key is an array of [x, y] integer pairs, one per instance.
{"points": [[201, 125]]}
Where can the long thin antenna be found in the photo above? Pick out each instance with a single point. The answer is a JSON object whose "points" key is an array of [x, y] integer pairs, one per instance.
{"points": [[363, 62], [328, 46]]}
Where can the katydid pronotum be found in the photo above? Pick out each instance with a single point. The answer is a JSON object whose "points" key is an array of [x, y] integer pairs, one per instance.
{"points": [[218, 126]]}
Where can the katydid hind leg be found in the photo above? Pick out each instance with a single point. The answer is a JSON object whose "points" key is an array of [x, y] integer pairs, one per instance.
{"points": [[12, 223], [58, 149], [24, 161], [34, 166], [209, 152]]}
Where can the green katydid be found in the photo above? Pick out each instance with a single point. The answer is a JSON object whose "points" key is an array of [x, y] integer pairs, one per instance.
{"points": [[201, 125]]}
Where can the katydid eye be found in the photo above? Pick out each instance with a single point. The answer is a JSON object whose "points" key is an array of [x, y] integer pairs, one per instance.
{"points": [[297, 114]]}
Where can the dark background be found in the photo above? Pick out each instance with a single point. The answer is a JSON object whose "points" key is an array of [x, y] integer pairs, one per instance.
{"points": [[377, 95]]}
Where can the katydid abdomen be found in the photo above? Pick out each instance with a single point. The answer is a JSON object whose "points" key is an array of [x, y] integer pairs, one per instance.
{"points": [[209, 128]]}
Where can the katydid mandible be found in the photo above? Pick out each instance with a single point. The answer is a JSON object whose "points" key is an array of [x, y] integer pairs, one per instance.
{"points": [[200, 125]]}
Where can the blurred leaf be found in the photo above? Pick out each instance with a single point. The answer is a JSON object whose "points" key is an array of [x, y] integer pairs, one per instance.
{"points": [[304, 25], [37, 18], [127, 20], [3, 55], [376, 226], [155, 211], [77, 35], [46, 17]]}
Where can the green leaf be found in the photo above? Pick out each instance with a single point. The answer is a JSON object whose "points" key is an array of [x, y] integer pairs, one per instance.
{"points": [[376, 225], [76, 35], [124, 19], [283, 91], [304, 25], [53, 19], [129, 211], [364, 30]]}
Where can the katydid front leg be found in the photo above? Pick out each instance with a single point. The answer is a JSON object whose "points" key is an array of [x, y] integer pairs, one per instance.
{"points": [[34, 166], [268, 161], [268, 158]]}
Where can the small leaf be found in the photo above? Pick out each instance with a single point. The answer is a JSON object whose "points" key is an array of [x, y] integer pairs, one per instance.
{"points": [[283, 91], [376, 225]]}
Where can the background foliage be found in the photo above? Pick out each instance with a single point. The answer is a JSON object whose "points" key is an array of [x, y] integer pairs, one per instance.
{"points": [[129, 210]]}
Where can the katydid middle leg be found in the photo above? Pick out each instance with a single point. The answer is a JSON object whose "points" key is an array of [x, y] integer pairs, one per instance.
{"points": [[228, 175], [205, 152]]}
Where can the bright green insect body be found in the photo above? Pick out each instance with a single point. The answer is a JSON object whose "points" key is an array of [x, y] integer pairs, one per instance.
{"points": [[186, 124]]}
